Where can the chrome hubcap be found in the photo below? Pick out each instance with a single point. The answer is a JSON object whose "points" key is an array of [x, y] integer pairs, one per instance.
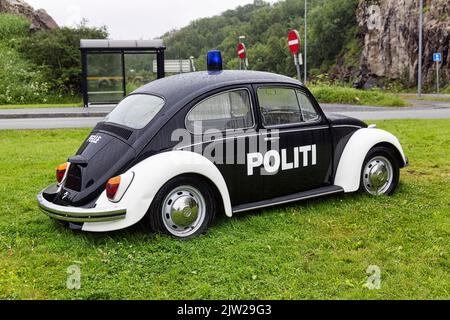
{"points": [[377, 175], [183, 211]]}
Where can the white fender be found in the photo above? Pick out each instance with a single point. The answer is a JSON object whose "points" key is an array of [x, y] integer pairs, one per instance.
{"points": [[149, 177], [348, 174]]}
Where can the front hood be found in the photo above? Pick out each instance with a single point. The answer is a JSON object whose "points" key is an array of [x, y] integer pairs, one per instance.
{"points": [[101, 157]]}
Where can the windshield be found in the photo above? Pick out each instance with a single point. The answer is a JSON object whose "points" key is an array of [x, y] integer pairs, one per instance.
{"points": [[136, 111]]}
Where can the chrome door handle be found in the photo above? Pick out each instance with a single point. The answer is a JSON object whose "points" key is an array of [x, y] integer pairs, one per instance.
{"points": [[272, 139]]}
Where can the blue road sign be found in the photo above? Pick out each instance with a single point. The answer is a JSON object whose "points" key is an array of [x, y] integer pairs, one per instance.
{"points": [[437, 57]]}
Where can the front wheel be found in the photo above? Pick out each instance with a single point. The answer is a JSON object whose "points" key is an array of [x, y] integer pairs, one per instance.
{"points": [[380, 172], [183, 208]]}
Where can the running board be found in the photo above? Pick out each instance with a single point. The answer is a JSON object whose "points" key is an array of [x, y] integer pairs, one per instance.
{"points": [[290, 198]]}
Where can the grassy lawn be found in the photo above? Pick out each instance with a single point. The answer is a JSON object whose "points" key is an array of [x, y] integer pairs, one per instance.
{"points": [[446, 89], [315, 249], [39, 106], [346, 95]]}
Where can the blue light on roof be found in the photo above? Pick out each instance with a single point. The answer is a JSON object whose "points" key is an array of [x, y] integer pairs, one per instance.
{"points": [[214, 60]]}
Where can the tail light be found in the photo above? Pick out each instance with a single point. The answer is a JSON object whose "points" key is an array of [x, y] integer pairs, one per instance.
{"points": [[61, 172], [118, 186], [112, 187]]}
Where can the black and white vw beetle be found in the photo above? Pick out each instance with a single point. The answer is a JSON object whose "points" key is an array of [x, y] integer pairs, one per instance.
{"points": [[182, 149]]}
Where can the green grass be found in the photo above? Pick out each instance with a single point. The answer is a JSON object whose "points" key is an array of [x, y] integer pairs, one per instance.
{"points": [[446, 90], [436, 99], [39, 106], [346, 95], [317, 249]]}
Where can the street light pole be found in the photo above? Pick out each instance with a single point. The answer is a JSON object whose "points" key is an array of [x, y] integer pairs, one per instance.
{"points": [[306, 41], [419, 74]]}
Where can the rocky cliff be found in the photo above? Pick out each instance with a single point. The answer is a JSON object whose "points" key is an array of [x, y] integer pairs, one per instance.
{"points": [[389, 34], [39, 19]]}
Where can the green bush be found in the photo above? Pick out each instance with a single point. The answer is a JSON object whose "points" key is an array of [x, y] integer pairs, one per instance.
{"points": [[345, 95], [56, 53], [12, 27], [20, 81]]}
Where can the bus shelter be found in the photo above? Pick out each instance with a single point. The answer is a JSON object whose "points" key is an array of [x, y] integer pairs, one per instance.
{"points": [[113, 68]]}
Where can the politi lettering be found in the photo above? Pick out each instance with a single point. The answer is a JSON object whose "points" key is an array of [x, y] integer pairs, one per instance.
{"points": [[272, 161]]}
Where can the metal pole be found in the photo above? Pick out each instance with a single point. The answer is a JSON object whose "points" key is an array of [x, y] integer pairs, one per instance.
{"points": [[191, 58], [161, 72], [84, 75], [419, 74], [124, 74], [306, 41], [297, 65], [437, 76]]}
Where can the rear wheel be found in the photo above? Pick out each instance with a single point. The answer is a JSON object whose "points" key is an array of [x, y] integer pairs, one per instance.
{"points": [[380, 172], [183, 208]]}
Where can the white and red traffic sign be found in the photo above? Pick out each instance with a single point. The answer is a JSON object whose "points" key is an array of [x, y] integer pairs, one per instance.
{"points": [[242, 51], [294, 41]]}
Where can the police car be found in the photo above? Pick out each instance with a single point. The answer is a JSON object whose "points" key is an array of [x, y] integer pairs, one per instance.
{"points": [[183, 149]]}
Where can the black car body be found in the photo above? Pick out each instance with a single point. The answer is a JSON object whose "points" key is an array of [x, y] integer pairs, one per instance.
{"points": [[234, 108]]}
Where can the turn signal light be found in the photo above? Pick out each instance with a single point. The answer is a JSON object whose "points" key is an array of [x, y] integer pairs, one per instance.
{"points": [[60, 172], [112, 187]]}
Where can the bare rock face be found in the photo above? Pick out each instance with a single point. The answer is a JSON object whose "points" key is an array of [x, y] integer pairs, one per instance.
{"points": [[39, 19], [390, 33]]}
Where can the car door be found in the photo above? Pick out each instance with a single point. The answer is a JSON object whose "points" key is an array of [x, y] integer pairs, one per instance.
{"points": [[299, 156], [223, 126]]}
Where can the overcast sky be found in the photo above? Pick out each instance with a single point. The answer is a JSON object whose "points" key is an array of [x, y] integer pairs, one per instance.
{"points": [[135, 19]]}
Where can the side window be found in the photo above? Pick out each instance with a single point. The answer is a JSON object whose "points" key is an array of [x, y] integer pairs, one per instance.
{"points": [[227, 111], [308, 112], [279, 106]]}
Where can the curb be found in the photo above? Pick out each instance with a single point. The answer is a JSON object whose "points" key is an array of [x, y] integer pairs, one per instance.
{"points": [[53, 115]]}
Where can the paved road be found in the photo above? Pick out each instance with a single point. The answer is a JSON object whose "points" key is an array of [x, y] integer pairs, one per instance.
{"points": [[432, 110], [87, 118]]}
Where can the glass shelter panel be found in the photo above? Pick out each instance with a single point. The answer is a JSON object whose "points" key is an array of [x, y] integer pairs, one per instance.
{"points": [[105, 77], [139, 69]]}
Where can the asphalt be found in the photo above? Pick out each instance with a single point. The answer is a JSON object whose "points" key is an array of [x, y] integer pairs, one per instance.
{"points": [[61, 118], [420, 110]]}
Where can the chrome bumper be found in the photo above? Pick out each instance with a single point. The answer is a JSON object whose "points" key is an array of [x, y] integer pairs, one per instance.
{"points": [[73, 214]]}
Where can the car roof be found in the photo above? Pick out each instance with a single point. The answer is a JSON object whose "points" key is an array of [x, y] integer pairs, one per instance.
{"points": [[178, 90]]}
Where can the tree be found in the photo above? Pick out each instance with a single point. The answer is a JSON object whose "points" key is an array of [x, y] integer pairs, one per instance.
{"points": [[331, 23], [56, 52], [265, 27]]}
